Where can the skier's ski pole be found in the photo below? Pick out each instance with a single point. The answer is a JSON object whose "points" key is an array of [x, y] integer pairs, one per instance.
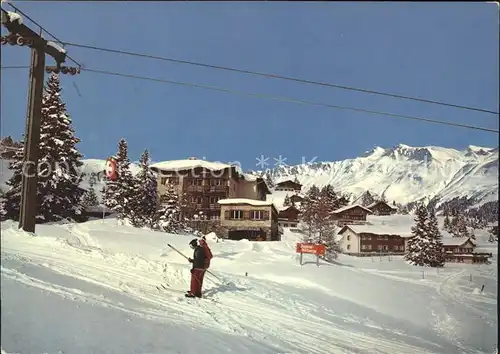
{"points": [[183, 255]]}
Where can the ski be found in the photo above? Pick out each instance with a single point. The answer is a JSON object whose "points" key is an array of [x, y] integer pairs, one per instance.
{"points": [[162, 287]]}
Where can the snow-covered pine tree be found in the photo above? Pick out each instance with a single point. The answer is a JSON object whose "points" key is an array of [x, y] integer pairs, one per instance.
{"points": [[145, 200], [331, 199], [90, 199], [287, 202], [168, 217], [367, 198], [59, 174], [309, 212], [11, 202], [447, 223], [419, 247], [118, 195], [58, 183], [459, 226], [436, 250]]}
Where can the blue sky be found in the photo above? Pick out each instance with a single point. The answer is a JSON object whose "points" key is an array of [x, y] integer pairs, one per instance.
{"points": [[445, 52]]}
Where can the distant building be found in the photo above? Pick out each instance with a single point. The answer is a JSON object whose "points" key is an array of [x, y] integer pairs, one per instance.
{"points": [[364, 240], [381, 208], [461, 250], [255, 220], [288, 216], [297, 198], [288, 185], [203, 183], [351, 214]]}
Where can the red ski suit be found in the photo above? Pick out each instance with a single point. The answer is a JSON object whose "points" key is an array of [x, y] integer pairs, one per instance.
{"points": [[197, 271]]}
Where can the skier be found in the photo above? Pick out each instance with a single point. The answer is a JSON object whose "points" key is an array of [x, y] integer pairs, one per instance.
{"points": [[198, 269]]}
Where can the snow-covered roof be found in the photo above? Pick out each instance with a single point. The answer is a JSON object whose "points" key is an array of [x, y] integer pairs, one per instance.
{"points": [[288, 179], [283, 208], [456, 241], [378, 202], [181, 165], [253, 202], [347, 207], [399, 230]]}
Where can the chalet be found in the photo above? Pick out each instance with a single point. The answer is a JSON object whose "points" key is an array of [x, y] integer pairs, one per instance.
{"points": [[364, 240], [381, 208], [255, 220], [203, 183], [351, 214], [461, 250], [288, 216], [288, 185], [296, 198]]}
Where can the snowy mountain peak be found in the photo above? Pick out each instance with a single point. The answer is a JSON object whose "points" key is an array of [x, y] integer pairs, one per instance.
{"points": [[473, 150], [402, 151], [406, 174]]}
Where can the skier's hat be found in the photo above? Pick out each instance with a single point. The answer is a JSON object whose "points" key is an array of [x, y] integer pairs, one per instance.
{"points": [[193, 243]]}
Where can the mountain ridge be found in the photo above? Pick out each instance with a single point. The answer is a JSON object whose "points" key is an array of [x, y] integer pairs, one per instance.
{"points": [[404, 174]]}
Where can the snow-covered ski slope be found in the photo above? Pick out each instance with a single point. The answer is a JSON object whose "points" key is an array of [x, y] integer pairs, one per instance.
{"points": [[91, 288]]}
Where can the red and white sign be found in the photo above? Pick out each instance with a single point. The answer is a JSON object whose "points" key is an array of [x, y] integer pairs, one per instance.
{"points": [[111, 172], [311, 248]]}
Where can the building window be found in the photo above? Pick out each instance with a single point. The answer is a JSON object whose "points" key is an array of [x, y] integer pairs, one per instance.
{"points": [[214, 200], [348, 238], [236, 214], [216, 182], [348, 247], [195, 182], [257, 214]]}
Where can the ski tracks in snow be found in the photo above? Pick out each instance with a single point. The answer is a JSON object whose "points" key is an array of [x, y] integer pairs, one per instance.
{"points": [[258, 310]]}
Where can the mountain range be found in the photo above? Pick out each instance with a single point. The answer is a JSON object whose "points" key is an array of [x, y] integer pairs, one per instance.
{"points": [[402, 174], [405, 174]]}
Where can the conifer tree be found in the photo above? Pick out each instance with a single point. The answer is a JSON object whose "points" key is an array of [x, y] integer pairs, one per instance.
{"points": [[90, 197], [287, 202], [169, 218], [367, 199], [145, 199], [419, 248], [118, 195], [309, 212], [435, 240], [447, 223], [58, 182], [11, 202], [331, 199]]}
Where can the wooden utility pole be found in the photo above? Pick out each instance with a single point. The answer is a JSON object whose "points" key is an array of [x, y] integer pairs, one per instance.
{"points": [[21, 35]]}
